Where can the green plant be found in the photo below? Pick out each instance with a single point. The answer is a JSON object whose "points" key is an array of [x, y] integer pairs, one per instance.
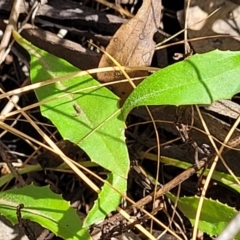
{"points": [[88, 114]]}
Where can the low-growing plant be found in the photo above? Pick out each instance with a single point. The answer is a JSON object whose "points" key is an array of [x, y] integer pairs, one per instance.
{"points": [[88, 114]]}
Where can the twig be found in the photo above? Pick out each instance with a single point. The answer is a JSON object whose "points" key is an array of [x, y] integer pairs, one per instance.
{"points": [[114, 220], [6, 159], [8, 31]]}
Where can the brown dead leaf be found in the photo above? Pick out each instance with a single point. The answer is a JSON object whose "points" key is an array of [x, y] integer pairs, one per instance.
{"points": [[132, 45]]}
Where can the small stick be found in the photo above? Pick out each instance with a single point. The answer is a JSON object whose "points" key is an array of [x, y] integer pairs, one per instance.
{"points": [[6, 159], [24, 224]]}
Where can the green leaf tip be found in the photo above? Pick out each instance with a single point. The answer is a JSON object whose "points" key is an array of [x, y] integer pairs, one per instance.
{"points": [[25, 44]]}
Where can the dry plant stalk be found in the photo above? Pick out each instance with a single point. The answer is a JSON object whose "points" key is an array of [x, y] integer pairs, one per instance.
{"points": [[132, 45]]}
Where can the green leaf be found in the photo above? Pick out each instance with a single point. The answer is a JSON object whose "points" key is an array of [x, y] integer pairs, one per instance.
{"points": [[98, 128], [214, 215], [200, 79], [43, 206], [84, 113]]}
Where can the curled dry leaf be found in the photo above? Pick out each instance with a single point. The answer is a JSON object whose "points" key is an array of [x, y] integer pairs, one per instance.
{"points": [[132, 45]]}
